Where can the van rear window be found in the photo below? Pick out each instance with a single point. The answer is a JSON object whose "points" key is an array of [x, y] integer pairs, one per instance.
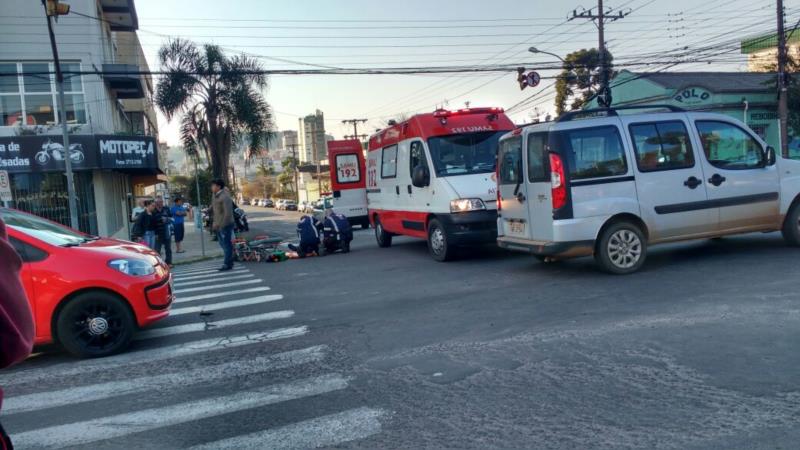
{"points": [[510, 158], [591, 152]]}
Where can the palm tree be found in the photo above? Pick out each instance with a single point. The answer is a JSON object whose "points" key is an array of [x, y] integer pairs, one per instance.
{"points": [[219, 98]]}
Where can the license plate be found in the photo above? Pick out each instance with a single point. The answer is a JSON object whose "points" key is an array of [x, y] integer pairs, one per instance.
{"points": [[516, 227]]}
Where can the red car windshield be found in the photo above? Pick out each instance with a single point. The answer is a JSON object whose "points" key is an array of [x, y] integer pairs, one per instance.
{"points": [[44, 230]]}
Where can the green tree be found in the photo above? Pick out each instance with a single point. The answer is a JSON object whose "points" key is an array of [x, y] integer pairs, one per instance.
{"points": [[218, 96], [579, 80]]}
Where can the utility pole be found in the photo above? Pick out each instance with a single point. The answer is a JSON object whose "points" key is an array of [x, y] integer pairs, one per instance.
{"points": [[604, 92], [199, 214], [355, 123], [783, 107], [53, 8]]}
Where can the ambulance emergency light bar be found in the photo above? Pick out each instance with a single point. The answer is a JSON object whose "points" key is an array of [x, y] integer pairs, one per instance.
{"points": [[458, 112]]}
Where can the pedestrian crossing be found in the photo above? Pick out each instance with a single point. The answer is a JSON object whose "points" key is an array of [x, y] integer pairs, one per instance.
{"points": [[218, 334]]}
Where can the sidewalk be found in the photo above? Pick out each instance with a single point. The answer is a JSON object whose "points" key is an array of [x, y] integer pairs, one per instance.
{"points": [[191, 244]]}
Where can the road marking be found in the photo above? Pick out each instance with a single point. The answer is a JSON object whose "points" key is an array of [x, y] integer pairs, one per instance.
{"points": [[206, 374], [223, 285], [330, 430], [220, 294], [81, 433], [143, 356], [212, 274], [225, 305], [211, 326], [195, 267], [208, 271], [182, 283]]}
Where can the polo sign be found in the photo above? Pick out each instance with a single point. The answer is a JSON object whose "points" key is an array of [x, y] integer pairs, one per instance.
{"points": [[5, 187], [692, 96]]}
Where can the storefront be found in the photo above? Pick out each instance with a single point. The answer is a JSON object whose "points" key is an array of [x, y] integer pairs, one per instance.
{"points": [[104, 166], [749, 97]]}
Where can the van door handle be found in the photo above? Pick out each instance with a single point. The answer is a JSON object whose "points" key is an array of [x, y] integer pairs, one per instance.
{"points": [[397, 190], [409, 189], [521, 197], [716, 179], [692, 182]]}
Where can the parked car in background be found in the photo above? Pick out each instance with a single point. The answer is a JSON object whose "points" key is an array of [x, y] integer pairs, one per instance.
{"points": [[290, 205], [268, 203], [613, 185], [255, 202], [93, 308], [279, 204]]}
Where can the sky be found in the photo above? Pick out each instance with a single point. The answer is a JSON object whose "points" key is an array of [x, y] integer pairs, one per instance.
{"points": [[424, 33]]}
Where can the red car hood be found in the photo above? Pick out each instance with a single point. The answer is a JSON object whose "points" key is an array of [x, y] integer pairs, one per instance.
{"points": [[121, 249]]}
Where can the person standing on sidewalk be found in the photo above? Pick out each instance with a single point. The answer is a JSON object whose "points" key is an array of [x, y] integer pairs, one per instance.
{"points": [[179, 213], [144, 230], [222, 224], [163, 230], [16, 319]]}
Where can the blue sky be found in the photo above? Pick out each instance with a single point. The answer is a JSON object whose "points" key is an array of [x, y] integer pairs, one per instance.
{"points": [[413, 33]]}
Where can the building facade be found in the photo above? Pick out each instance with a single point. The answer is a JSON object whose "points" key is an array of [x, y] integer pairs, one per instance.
{"points": [[313, 147], [749, 97], [762, 51], [112, 125]]}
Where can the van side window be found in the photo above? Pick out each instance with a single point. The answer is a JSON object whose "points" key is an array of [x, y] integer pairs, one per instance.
{"points": [[537, 155], [417, 156], [509, 157], [661, 146], [727, 146], [592, 152], [389, 162]]}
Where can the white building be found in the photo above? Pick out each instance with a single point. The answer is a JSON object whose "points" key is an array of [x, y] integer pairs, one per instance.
{"points": [[113, 130], [313, 146]]}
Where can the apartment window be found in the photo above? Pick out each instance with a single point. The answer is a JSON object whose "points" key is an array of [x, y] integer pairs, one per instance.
{"points": [[28, 94]]}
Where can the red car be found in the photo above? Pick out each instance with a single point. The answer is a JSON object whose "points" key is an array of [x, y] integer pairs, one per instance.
{"points": [[88, 294]]}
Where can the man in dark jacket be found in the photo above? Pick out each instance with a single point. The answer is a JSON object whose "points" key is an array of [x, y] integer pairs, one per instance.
{"points": [[16, 320], [222, 221], [144, 230], [308, 231], [163, 230]]}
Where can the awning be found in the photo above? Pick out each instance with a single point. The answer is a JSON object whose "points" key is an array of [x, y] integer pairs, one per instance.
{"points": [[120, 15]]}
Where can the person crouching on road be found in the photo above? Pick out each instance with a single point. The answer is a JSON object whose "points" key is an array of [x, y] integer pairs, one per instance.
{"points": [[222, 222], [337, 231], [16, 319], [308, 231]]}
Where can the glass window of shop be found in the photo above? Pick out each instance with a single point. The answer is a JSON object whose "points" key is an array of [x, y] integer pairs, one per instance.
{"points": [[28, 94], [45, 195]]}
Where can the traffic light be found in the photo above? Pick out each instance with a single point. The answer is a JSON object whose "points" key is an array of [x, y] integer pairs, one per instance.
{"points": [[56, 8]]}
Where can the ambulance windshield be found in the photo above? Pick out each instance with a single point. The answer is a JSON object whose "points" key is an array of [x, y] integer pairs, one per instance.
{"points": [[464, 154]]}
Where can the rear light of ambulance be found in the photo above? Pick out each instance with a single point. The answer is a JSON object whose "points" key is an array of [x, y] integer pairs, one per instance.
{"points": [[557, 181]]}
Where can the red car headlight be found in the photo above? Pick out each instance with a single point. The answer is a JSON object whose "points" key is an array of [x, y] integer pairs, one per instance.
{"points": [[132, 267]]}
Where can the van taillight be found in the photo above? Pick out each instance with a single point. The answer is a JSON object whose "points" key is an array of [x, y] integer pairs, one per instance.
{"points": [[557, 181], [497, 186]]}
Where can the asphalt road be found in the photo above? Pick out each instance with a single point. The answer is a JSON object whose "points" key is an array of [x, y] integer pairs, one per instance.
{"points": [[385, 348]]}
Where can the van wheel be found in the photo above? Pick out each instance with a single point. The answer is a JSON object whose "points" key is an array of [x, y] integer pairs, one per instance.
{"points": [[95, 324], [791, 227], [384, 239], [622, 249], [437, 242]]}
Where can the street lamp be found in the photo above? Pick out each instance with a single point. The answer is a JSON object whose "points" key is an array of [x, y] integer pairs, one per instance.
{"points": [[536, 50]]}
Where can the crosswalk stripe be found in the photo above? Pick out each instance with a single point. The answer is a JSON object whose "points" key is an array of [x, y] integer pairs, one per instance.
{"points": [[206, 374], [225, 305], [196, 266], [211, 326], [147, 355], [223, 285], [330, 430], [210, 275], [220, 294], [206, 280], [82, 433], [207, 271]]}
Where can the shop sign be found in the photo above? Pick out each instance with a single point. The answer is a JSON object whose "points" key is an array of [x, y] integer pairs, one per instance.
{"points": [[692, 96], [22, 154], [5, 187], [127, 152], [26, 154]]}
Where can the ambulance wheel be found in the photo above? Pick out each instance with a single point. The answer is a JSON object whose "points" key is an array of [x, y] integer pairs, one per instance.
{"points": [[384, 239], [437, 242]]}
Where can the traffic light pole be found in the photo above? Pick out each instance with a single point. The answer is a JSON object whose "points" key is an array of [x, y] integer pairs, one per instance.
{"points": [[783, 107], [62, 117]]}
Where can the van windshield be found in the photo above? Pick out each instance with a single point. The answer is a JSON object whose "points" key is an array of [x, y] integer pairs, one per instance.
{"points": [[464, 154]]}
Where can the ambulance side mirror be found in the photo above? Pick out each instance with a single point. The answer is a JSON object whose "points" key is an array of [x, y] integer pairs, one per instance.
{"points": [[420, 176]]}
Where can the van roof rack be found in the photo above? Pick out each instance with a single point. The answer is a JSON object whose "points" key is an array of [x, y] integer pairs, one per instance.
{"points": [[566, 117]]}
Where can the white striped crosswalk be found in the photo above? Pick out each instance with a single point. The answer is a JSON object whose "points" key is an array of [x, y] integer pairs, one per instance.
{"points": [[220, 302]]}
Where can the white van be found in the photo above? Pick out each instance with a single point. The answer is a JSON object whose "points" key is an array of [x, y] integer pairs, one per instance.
{"points": [[433, 177], [611, 186]]}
